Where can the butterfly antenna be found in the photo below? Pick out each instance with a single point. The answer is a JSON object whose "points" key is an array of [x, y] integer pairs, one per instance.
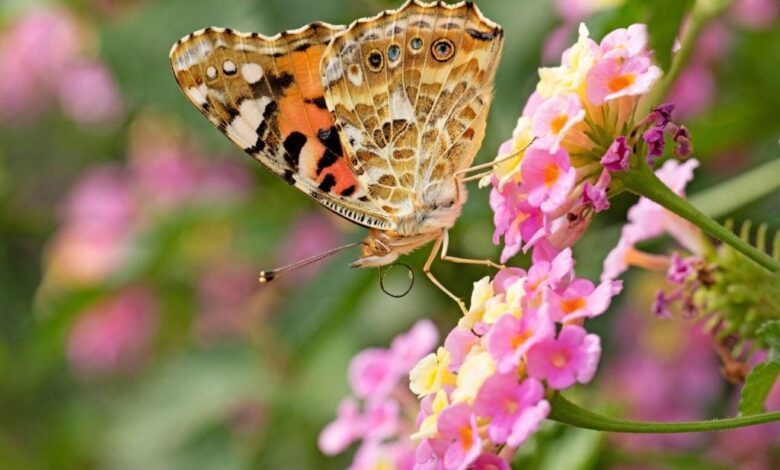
{"points": [[268, 276]]}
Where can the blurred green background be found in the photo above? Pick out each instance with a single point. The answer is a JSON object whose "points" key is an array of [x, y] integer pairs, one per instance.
{"points": [[132, 333]]}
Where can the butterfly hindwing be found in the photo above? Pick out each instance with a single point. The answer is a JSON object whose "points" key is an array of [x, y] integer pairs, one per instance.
{"points": [[265, 94], [409, 90]]}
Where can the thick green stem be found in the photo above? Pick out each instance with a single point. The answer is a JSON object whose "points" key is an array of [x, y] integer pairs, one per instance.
{"points": [[642, 181], [564, 411]]}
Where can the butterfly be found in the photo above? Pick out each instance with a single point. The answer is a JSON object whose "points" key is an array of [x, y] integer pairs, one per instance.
{"points": [[378, 121]]}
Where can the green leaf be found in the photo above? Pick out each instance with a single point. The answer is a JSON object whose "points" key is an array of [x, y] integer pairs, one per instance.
{"points": [[663, 24], [769, 332], [757, 387]]}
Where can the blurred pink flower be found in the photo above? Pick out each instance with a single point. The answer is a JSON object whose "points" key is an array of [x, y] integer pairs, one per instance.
{"points": [[510, 338], [165, 172], [115, 334], [311, 234], [95, 239], [373, 373], [756, 14], [101, 200], [693, 91], [225, 291], [89, 95], [34, 52]]}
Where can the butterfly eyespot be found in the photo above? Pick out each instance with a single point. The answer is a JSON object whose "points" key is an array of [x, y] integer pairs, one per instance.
{"points": [[374, 60], [393, 52], [443, 49], [416, 43], [229, 67]]}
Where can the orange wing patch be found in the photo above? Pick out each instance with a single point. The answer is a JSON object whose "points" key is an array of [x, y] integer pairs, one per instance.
{"points": [[265, 94]]}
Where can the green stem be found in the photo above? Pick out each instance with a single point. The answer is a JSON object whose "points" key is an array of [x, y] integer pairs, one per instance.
{"points": [[564, 411], [642, 181]]}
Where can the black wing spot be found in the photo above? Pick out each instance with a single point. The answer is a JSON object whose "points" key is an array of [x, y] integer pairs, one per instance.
{"points": [[327, 183], [318, 102], [330, 139], [289, 176], [479, 35], [280, 82], [293, 144], [348, 191]]}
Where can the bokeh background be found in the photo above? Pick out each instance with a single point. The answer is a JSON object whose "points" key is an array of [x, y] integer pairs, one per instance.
{"points": [[133, 334]]}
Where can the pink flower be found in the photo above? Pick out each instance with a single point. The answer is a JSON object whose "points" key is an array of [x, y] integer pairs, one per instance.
{"points": [[311, 234], [613, 77], [572, 357], [490, 462], [89, 95], [647, 220], [101, 200], [582, 299], [37, 48], [458, 343], [510, 338], [515, 409], [680, 269], [757, 14], [115, 334], [617, 156], [553, 119], [544, 275], [457, 425], [548, 177], [514, 218], [596, 195], [83, 256], [373, 373], [693, 91], [344, 430], [379, 421], [625, 42], [410, 347], [374, 455]]}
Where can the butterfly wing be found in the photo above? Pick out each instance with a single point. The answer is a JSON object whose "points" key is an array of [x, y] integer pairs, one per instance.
{"points": [[265, 94], [410, 90]]}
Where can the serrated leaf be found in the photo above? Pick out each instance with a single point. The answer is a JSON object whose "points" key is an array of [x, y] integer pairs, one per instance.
{"points": [[769, 332], [663, 24], [757, 387]]}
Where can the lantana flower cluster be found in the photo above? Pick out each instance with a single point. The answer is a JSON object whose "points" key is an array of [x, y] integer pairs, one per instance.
{"points": [[577, 128], [485, 388], [378, 415], [704, 280]]}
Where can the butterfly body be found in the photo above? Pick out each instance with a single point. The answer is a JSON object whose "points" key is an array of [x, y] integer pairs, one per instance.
{"points": [[374, 120]]}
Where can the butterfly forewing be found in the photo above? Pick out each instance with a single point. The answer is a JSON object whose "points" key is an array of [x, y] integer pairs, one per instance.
{"points": [[265, 94], [410, 89]]}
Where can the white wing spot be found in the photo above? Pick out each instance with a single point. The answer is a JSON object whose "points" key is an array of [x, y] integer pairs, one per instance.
{"points": [[252, 72], [355, 75], [229, 67], [211, 72]]}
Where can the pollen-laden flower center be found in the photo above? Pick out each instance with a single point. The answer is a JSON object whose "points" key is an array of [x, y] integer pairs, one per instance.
{"points": [[557, 123], [572, 305], [511, 406], [551, 173], [621, 82], [521, 338], [559, 359], [467, 437]]}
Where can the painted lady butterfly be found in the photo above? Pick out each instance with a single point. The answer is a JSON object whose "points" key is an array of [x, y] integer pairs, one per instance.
{"points": [[378, 121]]}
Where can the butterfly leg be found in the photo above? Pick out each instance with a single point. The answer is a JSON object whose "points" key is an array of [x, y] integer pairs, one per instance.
{"points": [[427, 270], [444, 256]]}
